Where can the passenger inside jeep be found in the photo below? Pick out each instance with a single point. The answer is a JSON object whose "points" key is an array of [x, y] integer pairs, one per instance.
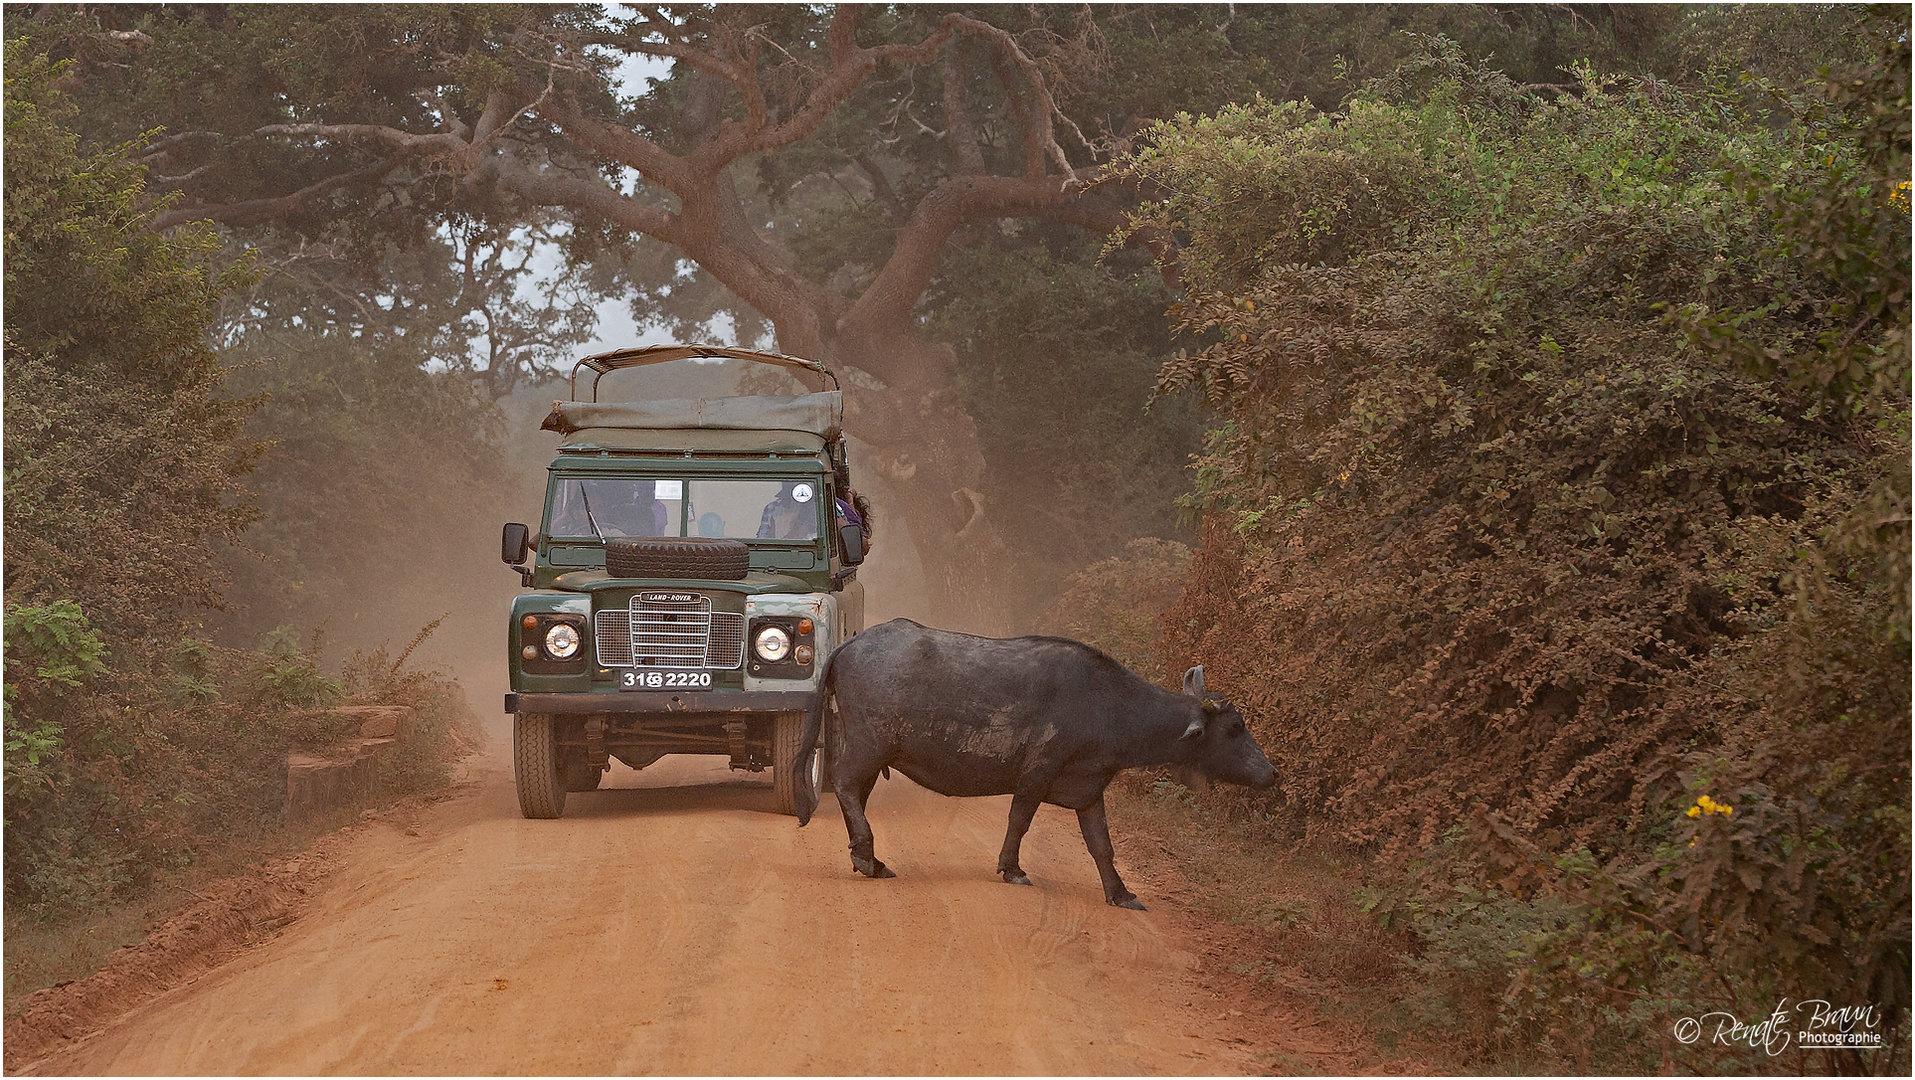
{"points": [[611, 508], [790, 515], [638, 513], [728, 507]]}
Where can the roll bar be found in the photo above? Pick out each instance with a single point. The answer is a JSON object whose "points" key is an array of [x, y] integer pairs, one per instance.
{"points": [[618, 359]]}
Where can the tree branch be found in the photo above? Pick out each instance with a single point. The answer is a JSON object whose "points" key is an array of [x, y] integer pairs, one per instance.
{"points": [[443, 142], [881, 187], [960, 134], [550, 188], [1038, 122], [851, 67], [264, 211], [623, 145], [886, 304]]}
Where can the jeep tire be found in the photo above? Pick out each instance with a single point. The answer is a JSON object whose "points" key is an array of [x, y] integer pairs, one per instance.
{"points": [[787, 737], [536, 765], [703, 557]]}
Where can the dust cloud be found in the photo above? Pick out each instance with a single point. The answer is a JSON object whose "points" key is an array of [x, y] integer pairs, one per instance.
{"points": [[452, 570]]}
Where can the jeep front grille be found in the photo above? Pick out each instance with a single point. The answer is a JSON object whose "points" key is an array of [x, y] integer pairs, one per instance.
{"points": [[679, 630]]}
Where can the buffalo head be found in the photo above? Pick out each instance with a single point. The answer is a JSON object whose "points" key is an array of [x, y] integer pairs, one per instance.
{"points": [[1218, 741]]}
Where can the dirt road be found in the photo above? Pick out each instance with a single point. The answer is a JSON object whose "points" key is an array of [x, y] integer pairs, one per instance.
{"points": [[674, 924]]}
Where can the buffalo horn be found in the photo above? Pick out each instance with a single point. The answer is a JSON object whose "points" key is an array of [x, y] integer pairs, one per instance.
{"points": [[1194, 681]]}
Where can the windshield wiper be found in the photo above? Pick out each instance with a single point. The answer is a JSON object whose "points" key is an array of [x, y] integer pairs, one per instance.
{"points": [[589, 519]]}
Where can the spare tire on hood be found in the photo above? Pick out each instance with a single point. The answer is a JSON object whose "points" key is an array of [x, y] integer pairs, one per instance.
{"points": [[676, 557]]}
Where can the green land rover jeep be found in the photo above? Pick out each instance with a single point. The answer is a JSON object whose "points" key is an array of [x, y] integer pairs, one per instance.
{"points": [[693, 570]]}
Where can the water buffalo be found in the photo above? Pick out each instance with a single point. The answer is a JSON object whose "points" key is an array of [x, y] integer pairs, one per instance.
{"points": [[1041, 719]]}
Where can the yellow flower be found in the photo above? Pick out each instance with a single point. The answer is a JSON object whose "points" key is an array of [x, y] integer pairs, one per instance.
{"points": [[1706, 805]]}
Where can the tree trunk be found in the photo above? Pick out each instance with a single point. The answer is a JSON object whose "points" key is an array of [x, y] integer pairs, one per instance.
{"points": [[926, 449]]}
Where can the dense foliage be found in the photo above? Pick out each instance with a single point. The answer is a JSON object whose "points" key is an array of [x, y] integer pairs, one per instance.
{"points": [[123, 452], [133, 745], [1056, 359], [1115, 604], [150, 774], [1562, 496]]}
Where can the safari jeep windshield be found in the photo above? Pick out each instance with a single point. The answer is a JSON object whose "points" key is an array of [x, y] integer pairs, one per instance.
{"points": [[768, 509]]}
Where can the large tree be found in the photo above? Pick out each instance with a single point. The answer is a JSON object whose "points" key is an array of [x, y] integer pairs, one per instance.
{"points": [[814, 162], [291, 113]]}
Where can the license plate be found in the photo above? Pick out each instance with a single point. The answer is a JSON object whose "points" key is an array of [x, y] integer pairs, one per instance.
{"points": [[629, 679]]}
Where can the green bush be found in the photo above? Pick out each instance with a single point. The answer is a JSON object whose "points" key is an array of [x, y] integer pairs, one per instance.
{"points": [[444, 727], [145, 780], [123, 448], [131, 746], [51, 650], [285, 676], [1563, 480]]}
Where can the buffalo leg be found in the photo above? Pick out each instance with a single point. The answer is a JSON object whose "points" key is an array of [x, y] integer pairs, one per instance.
{"points": [[1023, 808], [1096, 830], [853, 794]]}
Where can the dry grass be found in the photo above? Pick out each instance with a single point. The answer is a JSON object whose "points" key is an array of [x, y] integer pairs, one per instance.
{"points": [[1312, 948], [43, 951], [41, 954], [46, 950]]}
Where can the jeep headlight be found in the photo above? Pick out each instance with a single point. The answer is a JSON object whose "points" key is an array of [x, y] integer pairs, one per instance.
{"points": [[771, 644], [561, 641]]}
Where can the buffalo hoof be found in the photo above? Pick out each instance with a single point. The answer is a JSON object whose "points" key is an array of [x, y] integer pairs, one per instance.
{"points": [[1014, 877], [872, 869], [1130, 902]]}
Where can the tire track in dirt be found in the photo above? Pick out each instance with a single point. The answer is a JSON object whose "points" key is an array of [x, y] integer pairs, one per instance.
{"points": [[674, 924]]}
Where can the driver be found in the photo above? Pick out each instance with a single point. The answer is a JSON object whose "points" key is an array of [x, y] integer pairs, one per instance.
{"points": [[790, 515], [635, 510]]}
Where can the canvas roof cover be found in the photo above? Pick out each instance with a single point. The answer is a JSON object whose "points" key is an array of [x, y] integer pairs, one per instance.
{"points": [[820, 414]]}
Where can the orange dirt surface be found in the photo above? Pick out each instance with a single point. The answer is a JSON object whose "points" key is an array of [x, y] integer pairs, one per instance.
{"points": [[672, 923]]}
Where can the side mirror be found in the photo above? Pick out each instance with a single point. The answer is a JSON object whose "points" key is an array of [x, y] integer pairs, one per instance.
{"points": [[851, 539], [513, 544]]}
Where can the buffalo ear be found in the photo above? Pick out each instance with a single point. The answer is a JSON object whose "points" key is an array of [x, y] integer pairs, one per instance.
{"points": [[1196, 728], [1194, 681]]}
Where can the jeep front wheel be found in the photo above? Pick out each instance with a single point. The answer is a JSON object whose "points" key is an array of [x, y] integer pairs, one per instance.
{"points": [[536, 765], [787, 738]]}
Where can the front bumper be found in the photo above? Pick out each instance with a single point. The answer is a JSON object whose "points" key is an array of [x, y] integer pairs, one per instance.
{"points": [[689, 704]]}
